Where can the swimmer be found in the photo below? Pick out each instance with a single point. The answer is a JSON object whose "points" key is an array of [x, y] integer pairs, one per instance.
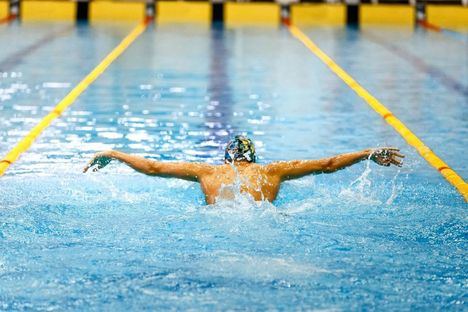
{"points": [[262, 182]]}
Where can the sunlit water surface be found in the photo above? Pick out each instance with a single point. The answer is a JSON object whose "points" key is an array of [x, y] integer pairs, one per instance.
{"points": [[366, 237]]}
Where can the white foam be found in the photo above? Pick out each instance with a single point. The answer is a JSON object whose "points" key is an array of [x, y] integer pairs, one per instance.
{"points": [[260, 267], [56, 85]]}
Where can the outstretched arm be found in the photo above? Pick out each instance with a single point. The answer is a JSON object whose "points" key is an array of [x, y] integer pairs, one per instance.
{"points": [[182, 170], [294, 169]]}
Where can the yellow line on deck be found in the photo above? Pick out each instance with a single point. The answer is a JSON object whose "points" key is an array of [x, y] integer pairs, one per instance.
{"points": [[447, 172], [68, 100]]}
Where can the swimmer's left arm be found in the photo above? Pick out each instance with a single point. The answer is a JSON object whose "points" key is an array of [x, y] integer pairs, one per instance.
{"points": [[288, 170], [182, 170]]}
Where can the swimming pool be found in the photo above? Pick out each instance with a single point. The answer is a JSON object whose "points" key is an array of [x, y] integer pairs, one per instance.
{"points": [[366, 237]]}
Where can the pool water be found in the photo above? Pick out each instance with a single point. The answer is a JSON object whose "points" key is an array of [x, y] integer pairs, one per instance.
{"points": [[366, 237]]}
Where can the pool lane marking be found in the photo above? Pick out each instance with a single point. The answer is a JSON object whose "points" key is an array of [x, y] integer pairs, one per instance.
{"points": [[70, 98], [448, 173], [16, 58], [420, 64]]}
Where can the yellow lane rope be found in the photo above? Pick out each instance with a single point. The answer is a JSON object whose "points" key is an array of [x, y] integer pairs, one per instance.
{"points": [[70, 98], [447, 172]]}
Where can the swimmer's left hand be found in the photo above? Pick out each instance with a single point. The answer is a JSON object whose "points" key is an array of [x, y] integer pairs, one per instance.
{"points": [[386, 156], [99, 161]]}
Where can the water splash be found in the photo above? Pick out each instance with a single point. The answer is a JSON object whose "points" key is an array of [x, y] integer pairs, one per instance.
{"points": [[360, 190], [237, 211], [107, 184], [261, 268], [395, 189]]}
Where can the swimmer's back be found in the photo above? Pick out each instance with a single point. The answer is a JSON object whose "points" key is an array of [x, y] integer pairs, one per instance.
{"points": [[254, 180]]}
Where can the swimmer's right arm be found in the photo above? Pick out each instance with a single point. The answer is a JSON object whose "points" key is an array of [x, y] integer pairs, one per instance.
{"points": [[182, 170]]}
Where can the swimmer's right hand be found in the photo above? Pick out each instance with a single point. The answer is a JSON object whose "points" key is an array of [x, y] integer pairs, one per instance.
{"points": [[99, 161]]}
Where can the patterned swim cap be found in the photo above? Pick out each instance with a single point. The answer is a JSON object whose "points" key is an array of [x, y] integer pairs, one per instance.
{"points": [[240, 148]]}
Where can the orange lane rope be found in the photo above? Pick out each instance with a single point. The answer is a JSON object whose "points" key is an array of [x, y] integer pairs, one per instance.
{"points": [[70, 98], [448, 173]]}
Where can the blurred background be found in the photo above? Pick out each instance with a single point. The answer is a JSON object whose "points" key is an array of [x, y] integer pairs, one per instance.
{"points": [[441, 13]]}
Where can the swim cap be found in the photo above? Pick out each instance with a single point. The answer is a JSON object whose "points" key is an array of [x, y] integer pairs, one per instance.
{"points": [[240, 148]]}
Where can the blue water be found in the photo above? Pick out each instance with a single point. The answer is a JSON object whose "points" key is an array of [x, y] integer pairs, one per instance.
{"points": [[363, 238]]}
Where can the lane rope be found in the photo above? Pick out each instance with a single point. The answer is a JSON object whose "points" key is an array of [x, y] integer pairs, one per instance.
{"points": [[448, 173], [70, 98]]}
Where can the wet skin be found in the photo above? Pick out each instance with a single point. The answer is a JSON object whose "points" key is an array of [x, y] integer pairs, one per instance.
{"points": [[262, 182], [256, 180]]}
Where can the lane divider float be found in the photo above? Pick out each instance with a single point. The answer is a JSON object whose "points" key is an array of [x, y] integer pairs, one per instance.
{"points": [[448, 173], [70, 98]]}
